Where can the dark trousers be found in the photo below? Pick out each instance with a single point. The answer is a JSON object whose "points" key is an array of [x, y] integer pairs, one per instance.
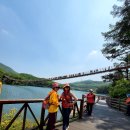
{"points": [[51, 121], [66, 114], [128, 110], [89, 108]]}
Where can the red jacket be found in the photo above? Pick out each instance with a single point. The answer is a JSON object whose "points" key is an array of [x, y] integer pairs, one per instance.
{"points": [[127, 101], [66, 100], [90, 98]]}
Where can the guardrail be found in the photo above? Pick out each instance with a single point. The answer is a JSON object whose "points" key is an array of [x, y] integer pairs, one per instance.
{"points": [[77, 112], [116, 103]]}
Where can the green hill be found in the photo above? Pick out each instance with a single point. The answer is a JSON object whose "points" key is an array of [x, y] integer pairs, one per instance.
{"points": [[6, 69], [88, 84], [9, 76]]}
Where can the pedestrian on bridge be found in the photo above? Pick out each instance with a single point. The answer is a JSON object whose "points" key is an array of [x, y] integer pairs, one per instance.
{"points": [[53, 106], [90, 101], [67, 104]]}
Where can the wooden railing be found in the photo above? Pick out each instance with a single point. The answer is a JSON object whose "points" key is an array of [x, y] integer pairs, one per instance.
{"points": [[77, 112], [116, 103]]}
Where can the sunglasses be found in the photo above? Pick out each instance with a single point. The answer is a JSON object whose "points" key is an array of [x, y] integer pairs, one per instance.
{"points": [[57, 87], [67, 87]]}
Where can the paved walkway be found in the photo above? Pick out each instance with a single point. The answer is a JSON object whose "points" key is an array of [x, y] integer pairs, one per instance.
{"points": [[103, 118]]}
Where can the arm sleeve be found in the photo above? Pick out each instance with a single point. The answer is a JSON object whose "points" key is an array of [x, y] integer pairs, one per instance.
{"points": [[85, 95], [94, 97], [75, 98], [61, 96]]}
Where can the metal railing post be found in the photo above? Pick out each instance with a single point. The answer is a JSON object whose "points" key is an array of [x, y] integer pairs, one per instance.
{"points": [[81, 107], [42, 122], [24, 117], [1, 108]]}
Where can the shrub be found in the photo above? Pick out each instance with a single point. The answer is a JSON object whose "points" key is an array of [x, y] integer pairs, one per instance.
{"points": [[17, 124]]}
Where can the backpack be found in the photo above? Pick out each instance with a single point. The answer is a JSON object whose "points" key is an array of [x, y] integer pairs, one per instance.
{"points": [[45, 103]]}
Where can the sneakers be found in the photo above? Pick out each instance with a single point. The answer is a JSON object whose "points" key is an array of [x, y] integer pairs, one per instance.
{"points": [[67, 128]]}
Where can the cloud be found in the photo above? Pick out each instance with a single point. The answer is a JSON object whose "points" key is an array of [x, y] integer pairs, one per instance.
{"points": [[93, 53], [96, 58], [4, 31]]}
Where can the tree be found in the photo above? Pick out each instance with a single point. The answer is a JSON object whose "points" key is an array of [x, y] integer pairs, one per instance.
{"points": [[102, 90], [119, 34], [117, 46], [120, 89], [116, 75]]}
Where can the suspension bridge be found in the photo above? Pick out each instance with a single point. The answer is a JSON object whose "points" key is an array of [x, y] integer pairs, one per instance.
{"points": [[92, 72]]}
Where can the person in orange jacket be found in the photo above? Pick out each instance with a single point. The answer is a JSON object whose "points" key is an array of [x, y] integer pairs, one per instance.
{"points": [[53, 106], [90, 101], [127, 102], [67, 103]]}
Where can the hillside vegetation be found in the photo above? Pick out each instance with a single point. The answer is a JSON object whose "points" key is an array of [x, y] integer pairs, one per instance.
{"points": [[88, 84], [9, 76]]}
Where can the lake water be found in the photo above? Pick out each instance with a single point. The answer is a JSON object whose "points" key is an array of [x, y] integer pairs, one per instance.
{"points": [[28, 92]]}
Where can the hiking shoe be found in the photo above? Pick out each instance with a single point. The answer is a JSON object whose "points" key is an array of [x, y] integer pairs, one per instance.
{"points": [[67, 128]]}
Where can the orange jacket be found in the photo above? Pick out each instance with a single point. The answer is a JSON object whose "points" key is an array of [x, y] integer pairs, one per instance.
{"points": [[53, 101], [127, 101], [67, 99]]}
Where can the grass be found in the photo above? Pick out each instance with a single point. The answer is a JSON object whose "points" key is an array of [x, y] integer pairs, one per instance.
{"points": [[17, 124]]}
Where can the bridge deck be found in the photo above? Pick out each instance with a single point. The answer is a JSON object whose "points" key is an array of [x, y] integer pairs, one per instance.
{"points": [[103, 118]]}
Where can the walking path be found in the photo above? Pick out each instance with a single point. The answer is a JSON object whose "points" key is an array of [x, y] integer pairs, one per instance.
{"points": [[103, 118]]}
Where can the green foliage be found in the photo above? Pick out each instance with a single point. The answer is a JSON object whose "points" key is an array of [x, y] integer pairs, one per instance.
{"points": [[9, 76], [87, 84], [118, 38], [117, 46], [102, 90], [17, 125], [27, 76], [120, 89], [15, 78], [6, 68]]}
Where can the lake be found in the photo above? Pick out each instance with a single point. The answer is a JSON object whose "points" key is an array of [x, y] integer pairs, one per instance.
{"points": [[28, 92]]}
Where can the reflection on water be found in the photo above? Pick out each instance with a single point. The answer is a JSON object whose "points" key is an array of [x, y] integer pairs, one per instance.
{"points": [[28, 92]]}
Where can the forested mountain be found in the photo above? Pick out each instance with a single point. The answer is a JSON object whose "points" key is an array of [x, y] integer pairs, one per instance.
{"points": [[9, 76], [88, 84], [6, 69]]}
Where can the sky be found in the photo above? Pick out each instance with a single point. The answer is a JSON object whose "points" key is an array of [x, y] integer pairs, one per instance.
{"points": [[49, 38]]}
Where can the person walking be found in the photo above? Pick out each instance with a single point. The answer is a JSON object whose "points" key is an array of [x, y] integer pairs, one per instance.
{"points": [[90, 101], [53, 106], [67, 104], [127, 102]]}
